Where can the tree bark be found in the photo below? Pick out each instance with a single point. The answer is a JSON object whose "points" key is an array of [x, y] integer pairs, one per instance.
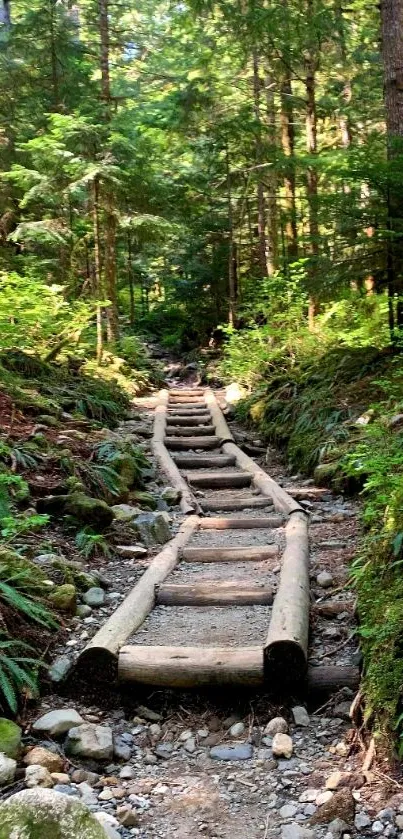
{"points": [[392, 53], [232, 293], [261, 201], [288, 144], [271, 179], [97, 267], [311, 65], [130, 278]]}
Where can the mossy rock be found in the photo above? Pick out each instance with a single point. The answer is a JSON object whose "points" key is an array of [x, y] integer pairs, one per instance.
{"points": [[257, 410], [64, 598], [325, 473], [45, 814], [145, 499], [80, 506], [126, 468], [10, 738], [48, 419], [16, 564]]}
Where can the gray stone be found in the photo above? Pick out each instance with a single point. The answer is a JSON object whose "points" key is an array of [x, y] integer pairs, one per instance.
{"points": [[8, 768], [60, 668], [48, 814], [38, 776], [237, 729], [153, 528], [91, 741], [386, 815], [171, 495], [94, 597], [324, 579], [377, 827], [83, 610], [301, 716], [48, 559], [148, 714], [131, 551], [150, 759], [190, 745], [121, 751], [127, 773], [278, 725], [243, 751], [66, 789], [296, 831], [10, 738], [164, 751], [55, 723], [288, 811], [337, 827], [361, 821]]}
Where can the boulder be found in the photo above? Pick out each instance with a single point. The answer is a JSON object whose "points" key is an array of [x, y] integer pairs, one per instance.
{"points": [[94, 597], [58, 722], [8, 768], [80, 506], [39, 756], [90, 741], [278, 725], [152, 528], [340, 806], [46, 814], [38, 776], [125, 512], [10, 738], [64, 598]]}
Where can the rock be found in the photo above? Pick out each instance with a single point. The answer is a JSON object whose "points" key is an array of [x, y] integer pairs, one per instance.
{"points": [[288, 811], [148, 714], [125, 512], [323, 797], [395, 421], [60, 777], [66, 789], [8, 768], [324, 579], [121, 750], [243, 751], [334, 780], [340, 806], [10, 738], [78, 505], [324, 473], [127, 773], [108, 823], [60, 668], [49, 559], [83, 776], [282, 745], [126, 816], [47, 814], [190, 745], [56, 723], [301, 716], [94, 597], [131, 551], [164, 751], [38, 776], [90, 741], [152, 528], [237, 729], [296, 831], [342, 710], [278, 725], [185, 735], [39, 756], [64, 598], [171, 495], [155, 731], [83, 611], [378, 827], [150, 759], [337, 827]]}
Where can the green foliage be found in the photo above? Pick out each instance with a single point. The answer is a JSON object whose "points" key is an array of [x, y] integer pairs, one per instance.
{"points": [[92, 544], [17, 590], [18, 671]]}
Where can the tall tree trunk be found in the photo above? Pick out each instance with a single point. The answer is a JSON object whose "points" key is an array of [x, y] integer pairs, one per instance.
{"points": [[392, 53], [130, 278], [271, 180], [5, 13], [288, 145], [261, 202], [232, 290], [311, 66], [97, 267], [112, 318], [53, 56]]}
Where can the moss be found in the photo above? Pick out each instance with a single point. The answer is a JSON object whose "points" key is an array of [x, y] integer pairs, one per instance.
{"points": [[10, 738], [45, 814], [64, 598], [89, 510]]}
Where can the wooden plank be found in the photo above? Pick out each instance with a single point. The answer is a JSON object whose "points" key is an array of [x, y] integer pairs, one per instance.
{"points": [[286, 646], [189, 401], [202, 419], [194, 391], [219, 479], [281, 499], [206, 461], [213, 593], [241, 523], [247, 503], [100, 652], [187, 667], [192, 442], [236, 554], [191, 431], [184, 411], [188, 503]]}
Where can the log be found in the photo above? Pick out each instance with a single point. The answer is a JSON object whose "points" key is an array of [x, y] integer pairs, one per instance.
{"points": [[191, 431], [308, 493], [286, 645], [236, 554], [99, 655], [247, 503], [282, 501], [218, 480], [219, 421], [207, 461], [194, 391], [193, 411], [188, 667], [189, 401], [192, 442], [213, 593], [188, 503], [332, 678], [202, 419], [241, 523]]}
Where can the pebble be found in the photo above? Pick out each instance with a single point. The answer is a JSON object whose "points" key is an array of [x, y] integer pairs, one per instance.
{"points": [[38, 756], [150, 759], [324, 579], [243, 751], [185, 735], [377, 827], [38, 776], [94, 597], [278, 725], [127, 773], [288, 811], [301, 716], [237, 729], [296, 831], [8, 768], [282, 745], [190, 745], [164, 751], [66, 789], [155, 729], [148, 714]]}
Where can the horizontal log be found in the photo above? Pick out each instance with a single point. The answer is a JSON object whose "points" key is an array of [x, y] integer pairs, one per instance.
{"points": [[201, 419], [331, 678], [184, 411], [213, 593], [189, 401], [190, 431], [250, 503], [207, 461], [192, 442], [194, 391], [235, 554], [241, 523], [218, 479], [188, 667]]}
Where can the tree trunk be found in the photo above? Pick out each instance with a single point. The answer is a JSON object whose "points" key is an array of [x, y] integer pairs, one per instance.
{"points": [[271, 179], [261, 202], [231, 248], [5, 14], [130, 278], [97, 291], [288, 144], [53, 56], [392, 53], [311, 66]]}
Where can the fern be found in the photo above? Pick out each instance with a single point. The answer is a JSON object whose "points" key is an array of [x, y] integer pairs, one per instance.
{"points": [[89, 543], [13, 596], [16, 671]]}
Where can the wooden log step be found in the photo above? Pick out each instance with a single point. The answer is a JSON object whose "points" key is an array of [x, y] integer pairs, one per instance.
{"points": [[192, 442], [186, 391], [213, 593], [189, 461], [184, 411], [187, 667], [192, 430], [241, 523], [232, 554], [250, 503], [189, 401], [217, 480], [200, 419]]}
